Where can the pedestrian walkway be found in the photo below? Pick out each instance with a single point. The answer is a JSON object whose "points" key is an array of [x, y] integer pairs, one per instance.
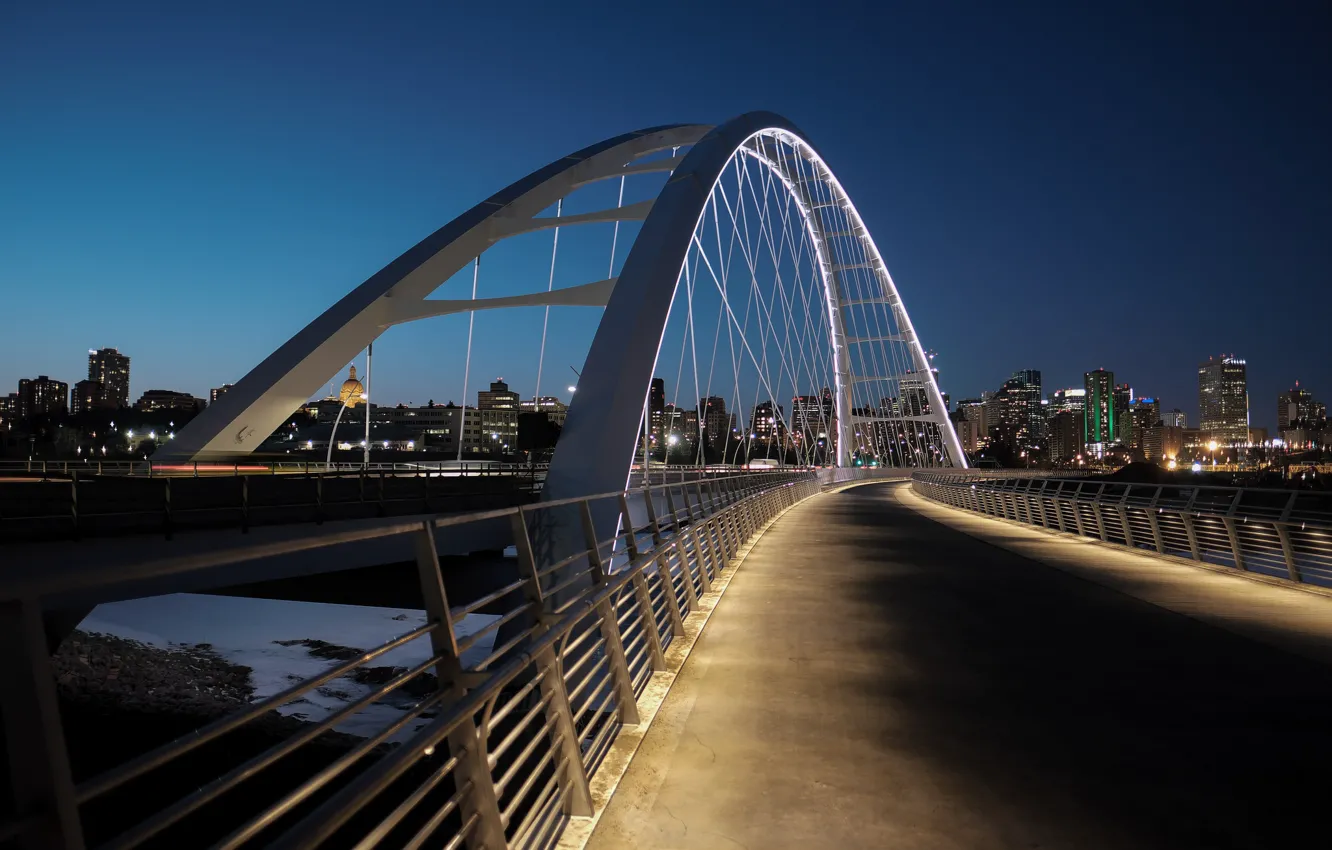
{"points": [[876, 679]]}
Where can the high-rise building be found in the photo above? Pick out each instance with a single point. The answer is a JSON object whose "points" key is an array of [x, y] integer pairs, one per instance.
{"points": [[1297, 405], [1144, 414], [87, 396], [972, 412], [716, 424], [1123, 425], [1174, 418], [1098, 424], [657, 396], [41, 396], [1065, 435], [1073, 400], [1016, 415], [1223, 400], [1032, 396], [111, 369], [813, 417], [217, 392], [767, 425], [814, 426]]}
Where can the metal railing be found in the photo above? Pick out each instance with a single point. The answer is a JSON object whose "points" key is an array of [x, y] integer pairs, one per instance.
{"points": [[1281, 533], [89, 467], [521, 712], [82, 506]]}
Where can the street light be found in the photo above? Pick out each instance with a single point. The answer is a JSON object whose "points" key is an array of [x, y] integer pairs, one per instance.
{"points": [[352, 394]]}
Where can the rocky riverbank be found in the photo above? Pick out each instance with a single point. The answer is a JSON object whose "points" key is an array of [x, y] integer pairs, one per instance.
{"points": [[121, 698], [99, 668]]}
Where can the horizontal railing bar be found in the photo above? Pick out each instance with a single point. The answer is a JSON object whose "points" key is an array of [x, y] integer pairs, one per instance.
{"points": [[115, 777], [437, 818], [328, 774], [229, 780], [373, 838], [462, 611], [469, 641]]}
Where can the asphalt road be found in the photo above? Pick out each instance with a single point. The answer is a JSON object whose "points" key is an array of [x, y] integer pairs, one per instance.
{"points": [[873, 679]]}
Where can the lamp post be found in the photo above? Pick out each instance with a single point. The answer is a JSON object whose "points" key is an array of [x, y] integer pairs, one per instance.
{"points": [[365, 396], [352, 393]]}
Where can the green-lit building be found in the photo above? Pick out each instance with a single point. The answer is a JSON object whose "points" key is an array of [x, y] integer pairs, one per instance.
{"points": [[1098, 418]]}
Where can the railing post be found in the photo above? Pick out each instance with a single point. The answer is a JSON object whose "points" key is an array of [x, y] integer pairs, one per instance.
{"points": [[630, 533], [1154, 521], [1040, 502], [649, 498], [573, 780], [1100, 517], [610, 626], [708, 532], [38, 759], [730, 519], [1283, 534], [1229, 521], [1077, 511], [1188, 526], [319, 500], [668, 591], [245, 504], [692, 536], [726, 517], [166, 507], [682, 554], [466, 742], [1122, 509], [656, 656], [74, 502]]}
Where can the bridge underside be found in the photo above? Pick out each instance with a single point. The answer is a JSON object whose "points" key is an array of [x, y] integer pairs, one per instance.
{"points": [[874, 678]]}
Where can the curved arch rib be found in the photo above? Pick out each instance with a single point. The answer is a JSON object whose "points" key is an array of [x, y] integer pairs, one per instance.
{"points": [[258, 404], [600, 435]]}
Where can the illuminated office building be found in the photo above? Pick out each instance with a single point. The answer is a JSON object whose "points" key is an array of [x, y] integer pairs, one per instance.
{"points": [[1223, 400]]}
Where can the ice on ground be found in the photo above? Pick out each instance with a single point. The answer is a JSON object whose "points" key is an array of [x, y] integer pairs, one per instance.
{"points": [[245, 631]]}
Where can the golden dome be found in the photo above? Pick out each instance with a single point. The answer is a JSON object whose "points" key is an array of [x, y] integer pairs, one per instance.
{"points": [[352, 390]]}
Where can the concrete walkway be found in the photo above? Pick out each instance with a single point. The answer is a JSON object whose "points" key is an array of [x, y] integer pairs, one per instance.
{"points": [[875, 679]]}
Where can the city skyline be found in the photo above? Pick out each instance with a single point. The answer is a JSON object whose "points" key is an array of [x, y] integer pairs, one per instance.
{"points": [[215, 220], [1259, 413]]}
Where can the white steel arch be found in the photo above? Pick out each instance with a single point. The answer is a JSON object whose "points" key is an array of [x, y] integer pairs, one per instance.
{"points": [[600, 434], [261, 401]]}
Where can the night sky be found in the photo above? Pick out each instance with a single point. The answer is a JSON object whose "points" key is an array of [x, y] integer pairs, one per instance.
{"points": [[1060, 190]]}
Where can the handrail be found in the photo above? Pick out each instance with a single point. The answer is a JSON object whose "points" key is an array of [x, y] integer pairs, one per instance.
{"points": [[564, 675], [1284, 534]]}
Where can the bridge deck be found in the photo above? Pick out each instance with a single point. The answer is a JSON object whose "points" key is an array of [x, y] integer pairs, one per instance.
{"points": [[876, 679]]}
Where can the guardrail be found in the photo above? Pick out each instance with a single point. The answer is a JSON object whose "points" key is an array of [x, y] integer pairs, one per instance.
{"points": [[524, 709], [81, 506], [1282, 533], [89, 467]]}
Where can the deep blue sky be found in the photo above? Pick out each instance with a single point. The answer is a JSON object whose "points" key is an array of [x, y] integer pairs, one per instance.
{"points": [[1058, 189]]}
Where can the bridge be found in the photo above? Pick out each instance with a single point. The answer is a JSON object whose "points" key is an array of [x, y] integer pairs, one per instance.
{"points": [[822, 630]]}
